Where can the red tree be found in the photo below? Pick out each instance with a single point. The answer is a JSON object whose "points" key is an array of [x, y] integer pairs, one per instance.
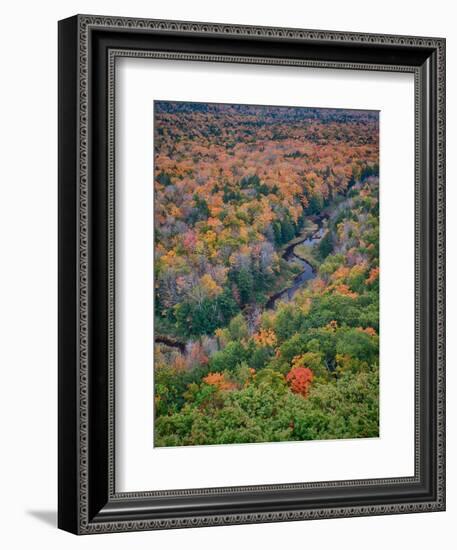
{"points": [[299, 379]]}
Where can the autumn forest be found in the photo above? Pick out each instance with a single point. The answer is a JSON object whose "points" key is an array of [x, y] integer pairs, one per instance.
{"points": [[266, 274]]}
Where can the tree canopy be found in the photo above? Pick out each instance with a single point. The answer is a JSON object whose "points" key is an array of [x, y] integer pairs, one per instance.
{"points": [[235, 188]]}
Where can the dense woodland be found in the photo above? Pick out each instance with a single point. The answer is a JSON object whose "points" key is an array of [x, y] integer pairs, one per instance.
{"points": [[249, 199]]}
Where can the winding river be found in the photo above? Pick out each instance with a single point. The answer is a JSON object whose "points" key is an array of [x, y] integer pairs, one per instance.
{"points": [[159, 339], [308, 272]]}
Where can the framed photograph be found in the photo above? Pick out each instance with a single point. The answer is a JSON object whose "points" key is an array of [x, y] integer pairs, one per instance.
{"points": [[251, 274]]}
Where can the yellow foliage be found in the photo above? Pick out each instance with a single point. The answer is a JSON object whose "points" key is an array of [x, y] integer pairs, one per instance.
{"points": [[332, 326], [265, 338], [169, 258], [175, 211], [210, 285]]}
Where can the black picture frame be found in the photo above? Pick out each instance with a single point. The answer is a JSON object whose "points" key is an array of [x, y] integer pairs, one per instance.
{"points": [[87, 500]]}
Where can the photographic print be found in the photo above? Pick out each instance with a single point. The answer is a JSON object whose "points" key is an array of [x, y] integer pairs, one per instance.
{"points": [[266, 302]]}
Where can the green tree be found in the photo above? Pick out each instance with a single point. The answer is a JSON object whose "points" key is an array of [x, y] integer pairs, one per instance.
{"points": [[238, 328], [227, 305], [228, 358], [245, 283], [325, 245], [287, 230]]}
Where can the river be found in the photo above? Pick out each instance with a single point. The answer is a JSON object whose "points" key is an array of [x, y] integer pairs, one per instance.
{"points": [[308, 272], [290, 255], [170, 342]]}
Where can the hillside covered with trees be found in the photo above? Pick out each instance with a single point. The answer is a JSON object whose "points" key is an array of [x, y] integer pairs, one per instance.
{"points": [[266, 274]]}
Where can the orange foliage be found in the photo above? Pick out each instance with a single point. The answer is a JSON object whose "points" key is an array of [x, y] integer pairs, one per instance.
{"points": [[374, 274], [369, 330], [299, 379], [219, 380], [345, 291], [317, 285], [265, 338], [341, 273]]}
